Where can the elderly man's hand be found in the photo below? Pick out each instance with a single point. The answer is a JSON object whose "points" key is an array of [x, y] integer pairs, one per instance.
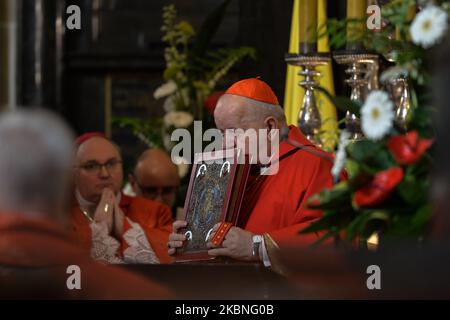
{"points": [[237, 245], [105, 209], [176, 239]]}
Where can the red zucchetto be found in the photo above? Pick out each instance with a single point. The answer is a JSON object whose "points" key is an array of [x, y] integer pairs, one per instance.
{"points": [[255, 89]]}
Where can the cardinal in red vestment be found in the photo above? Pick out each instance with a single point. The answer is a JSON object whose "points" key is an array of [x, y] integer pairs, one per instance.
{"points": [[275, 206], [115, 227]]}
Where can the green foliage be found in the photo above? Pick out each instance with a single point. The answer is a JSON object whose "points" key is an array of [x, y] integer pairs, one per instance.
{"points": [[195, 69], [208, 30], [406, 212], [148, 131], [192, 67]]}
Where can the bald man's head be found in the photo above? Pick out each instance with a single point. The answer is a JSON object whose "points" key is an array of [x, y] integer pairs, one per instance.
{"points": [[155, 177], [98, 165]]}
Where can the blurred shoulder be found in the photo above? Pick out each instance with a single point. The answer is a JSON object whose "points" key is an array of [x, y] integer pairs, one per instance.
{"points": [[146, 204]]}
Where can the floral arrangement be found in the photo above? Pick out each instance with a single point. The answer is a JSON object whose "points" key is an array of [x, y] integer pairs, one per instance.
{"points": [[385, 192], [192, 72]]}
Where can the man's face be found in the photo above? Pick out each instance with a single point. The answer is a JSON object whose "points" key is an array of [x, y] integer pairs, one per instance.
{"points": [[233, 113], [98, 165]]}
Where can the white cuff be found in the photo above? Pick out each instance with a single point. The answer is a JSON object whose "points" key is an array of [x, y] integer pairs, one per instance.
{"points": [[104, 247], [139, 250], [107, 248]]}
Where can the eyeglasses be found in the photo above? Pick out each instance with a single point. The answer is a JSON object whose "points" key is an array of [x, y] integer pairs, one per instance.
{"points": [[153, 192], [95, 167]]}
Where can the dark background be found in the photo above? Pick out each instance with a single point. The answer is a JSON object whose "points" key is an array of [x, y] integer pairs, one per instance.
{"points": [[121, 40], [116, 61]]}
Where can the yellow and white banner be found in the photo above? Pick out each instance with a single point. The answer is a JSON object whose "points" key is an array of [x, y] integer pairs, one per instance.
{"points": [[293, 95]]}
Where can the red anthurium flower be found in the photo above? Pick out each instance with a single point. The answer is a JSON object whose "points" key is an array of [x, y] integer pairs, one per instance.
{"points": [[379, 188], [409, 148], [211, 101]]}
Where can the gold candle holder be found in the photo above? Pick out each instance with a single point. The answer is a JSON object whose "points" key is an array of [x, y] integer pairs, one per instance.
{"points": [[309, 120], [363, 77], [399, 89]]}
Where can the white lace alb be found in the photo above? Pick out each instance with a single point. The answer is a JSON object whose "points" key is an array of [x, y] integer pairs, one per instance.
{"points": [[107, 249]]}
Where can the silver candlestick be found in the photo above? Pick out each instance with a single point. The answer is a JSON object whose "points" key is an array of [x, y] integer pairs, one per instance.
{"points": [[363, 77], [398, 87], [309, 120], [401, 95]]}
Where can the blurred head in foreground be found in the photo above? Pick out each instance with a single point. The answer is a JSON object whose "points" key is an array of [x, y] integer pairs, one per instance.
{"points": [[35, 163]]}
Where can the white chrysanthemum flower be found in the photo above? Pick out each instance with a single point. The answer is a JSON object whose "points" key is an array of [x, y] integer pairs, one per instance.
{"points": [[178, 119], [182, 164], [165, 90], [428, 26], [377, 115], [341, 155]]}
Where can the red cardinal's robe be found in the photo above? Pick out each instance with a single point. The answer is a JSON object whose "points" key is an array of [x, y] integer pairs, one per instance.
{"points": [[154, 218], [277, 204]]}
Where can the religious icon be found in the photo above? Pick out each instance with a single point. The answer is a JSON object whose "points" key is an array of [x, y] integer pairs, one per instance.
{"points": [[212, 197]]}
